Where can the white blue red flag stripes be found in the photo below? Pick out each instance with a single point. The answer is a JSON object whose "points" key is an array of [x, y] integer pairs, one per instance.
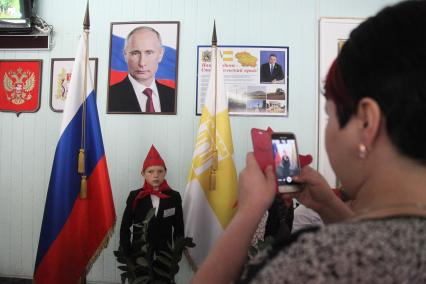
{"points": [[75, 230]]}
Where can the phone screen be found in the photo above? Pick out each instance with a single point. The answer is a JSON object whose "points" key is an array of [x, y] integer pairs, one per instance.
{"points": [[286, 160]]}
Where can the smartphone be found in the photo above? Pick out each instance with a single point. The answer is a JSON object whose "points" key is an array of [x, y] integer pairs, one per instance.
{"points": [[262, 147], [286, 160]]}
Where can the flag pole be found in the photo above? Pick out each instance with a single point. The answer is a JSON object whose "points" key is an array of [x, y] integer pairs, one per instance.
{"points": [[81, 154], [213, 145], [189, 258], [81, 167]]}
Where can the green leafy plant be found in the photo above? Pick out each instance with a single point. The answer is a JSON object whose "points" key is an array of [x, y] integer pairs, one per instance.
{"points": [[171, 260], [139, 267]]}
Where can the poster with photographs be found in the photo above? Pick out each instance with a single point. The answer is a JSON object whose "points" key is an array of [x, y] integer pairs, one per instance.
{"points": [[256, 79]]}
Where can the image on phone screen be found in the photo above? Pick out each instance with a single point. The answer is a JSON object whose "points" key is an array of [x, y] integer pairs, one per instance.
{"points": [[286, 158]]}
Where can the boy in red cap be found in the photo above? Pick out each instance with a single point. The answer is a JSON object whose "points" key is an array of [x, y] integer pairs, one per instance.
{"points": [[167, 224]]}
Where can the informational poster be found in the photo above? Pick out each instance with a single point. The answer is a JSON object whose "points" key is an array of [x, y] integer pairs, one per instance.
{"points": [[256, 79]]}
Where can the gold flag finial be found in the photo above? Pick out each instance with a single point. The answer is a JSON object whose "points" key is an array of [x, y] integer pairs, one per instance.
{"points": [[86, 23], [214, 38]]}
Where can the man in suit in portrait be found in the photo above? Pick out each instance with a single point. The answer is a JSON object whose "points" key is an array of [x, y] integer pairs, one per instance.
{"points": [[271, 72], [140, 92]]}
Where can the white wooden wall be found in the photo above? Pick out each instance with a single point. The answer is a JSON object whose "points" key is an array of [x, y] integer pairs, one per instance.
{"points": [[27, 142]]}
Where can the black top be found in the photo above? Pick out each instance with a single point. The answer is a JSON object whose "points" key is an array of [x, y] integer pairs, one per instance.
{"points": [[165, 226]]}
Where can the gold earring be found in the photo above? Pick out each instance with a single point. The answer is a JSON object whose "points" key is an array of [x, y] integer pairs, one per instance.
{"points": [[362, 151]]}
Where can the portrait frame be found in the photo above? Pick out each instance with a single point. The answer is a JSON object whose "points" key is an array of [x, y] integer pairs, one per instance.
{"points": [[333, 32], [166, 76], [21, 88], [60, 76]]}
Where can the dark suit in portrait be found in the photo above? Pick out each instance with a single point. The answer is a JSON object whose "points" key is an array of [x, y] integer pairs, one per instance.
{"points": [[122, 98], [266, 75]]}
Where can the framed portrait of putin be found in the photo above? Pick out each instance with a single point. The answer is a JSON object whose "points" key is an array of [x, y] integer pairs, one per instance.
{"points": [[143, 68]]}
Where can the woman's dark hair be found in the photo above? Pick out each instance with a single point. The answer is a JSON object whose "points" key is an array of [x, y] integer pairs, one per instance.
{"points": [[385, 59]]}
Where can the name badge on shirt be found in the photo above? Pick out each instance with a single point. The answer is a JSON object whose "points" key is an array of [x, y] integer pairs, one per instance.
{"points": [[169, 212]]}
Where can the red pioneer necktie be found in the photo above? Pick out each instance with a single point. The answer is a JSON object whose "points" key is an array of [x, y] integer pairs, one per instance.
{"points": [[149, 190]]}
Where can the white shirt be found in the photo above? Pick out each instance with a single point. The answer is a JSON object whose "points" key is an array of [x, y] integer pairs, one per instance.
{"points": [[155, 202], [142, 98], [305, 217]]}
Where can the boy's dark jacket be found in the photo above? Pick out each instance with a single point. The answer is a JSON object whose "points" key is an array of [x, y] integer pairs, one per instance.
{"points": [[167, 223]]}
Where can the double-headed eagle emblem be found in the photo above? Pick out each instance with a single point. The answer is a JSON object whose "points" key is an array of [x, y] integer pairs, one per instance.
{"points": [[18, 86]]}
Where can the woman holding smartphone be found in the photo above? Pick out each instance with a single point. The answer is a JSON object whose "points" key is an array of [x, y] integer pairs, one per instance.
{"points": [[375, 137]]}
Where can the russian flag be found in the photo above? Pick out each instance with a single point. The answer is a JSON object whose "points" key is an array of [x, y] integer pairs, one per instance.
{"points": [[166, 73], [74, 230], [277, 155]]}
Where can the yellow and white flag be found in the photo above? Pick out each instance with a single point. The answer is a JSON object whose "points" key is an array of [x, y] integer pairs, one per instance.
{"points": [[210, 205]]}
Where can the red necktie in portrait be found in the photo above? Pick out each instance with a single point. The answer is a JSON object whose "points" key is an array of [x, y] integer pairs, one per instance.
{"points": [[149, 102]]}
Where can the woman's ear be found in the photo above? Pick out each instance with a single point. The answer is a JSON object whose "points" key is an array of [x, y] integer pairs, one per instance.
{"points": [[369, 116]]}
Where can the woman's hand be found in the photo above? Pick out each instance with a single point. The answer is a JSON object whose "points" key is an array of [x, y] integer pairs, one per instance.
{"points": [[315, 192], [256, 189]]}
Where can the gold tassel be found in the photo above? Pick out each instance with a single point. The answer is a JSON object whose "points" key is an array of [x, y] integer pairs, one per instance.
{"points": [[213, 180], [214, 165], [213, 173], [83, 188], [81, 169]]}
